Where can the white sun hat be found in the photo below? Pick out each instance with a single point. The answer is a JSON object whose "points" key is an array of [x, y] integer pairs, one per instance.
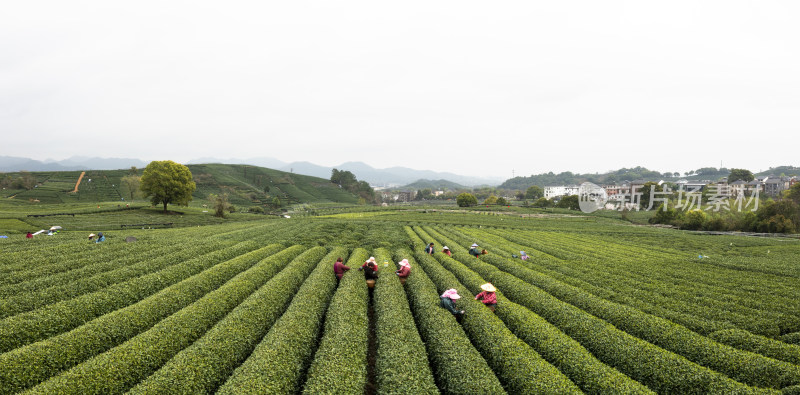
{"points": [[488, 287]]}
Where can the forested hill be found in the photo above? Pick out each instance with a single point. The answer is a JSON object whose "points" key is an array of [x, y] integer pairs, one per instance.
{"points": [[630, 174], [570, 178]]}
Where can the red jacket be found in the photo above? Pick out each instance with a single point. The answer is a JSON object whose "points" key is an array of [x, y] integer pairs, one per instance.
{"points": [[339, 268], [404, 271], [364, 266], [488, 297]]}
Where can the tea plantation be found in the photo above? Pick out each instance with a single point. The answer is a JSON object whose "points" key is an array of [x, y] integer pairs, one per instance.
{"points": [[250, 304]]}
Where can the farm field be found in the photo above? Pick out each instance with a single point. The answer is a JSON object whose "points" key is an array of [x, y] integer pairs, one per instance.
{"points": [[251, 305]]}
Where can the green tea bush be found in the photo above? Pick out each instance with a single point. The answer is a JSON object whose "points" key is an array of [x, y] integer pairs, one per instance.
{"points": [[701, 308], [592, 375], [519, 368], [82, 282], [791, 338], [36, 325], [208, 362], [67, 267], [457, 366], [659, 369], [401, 362], [279, 361], [744, 366], [747, 341], [123, 366], [28, 365], [340, 363]]}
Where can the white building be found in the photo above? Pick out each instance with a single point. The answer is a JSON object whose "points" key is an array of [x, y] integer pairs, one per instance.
{"points": [[553, 191]]}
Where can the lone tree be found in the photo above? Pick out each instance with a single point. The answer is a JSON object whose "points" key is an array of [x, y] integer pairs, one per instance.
{"points": [[167, 182], [132, 182], [466, 200], [221, 204]]}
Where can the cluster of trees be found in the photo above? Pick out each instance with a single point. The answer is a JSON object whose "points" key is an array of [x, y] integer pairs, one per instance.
{"points": [[481, 194], [570, 202], [348, 181], [25, 180], [773, 216]]}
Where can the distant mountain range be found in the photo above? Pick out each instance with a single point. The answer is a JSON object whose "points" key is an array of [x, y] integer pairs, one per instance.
{"points": [[434, 185], [389, 177], [14, 164]]}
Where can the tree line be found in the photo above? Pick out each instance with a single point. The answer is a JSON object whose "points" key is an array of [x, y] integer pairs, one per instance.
{"points": [[348, 181]]}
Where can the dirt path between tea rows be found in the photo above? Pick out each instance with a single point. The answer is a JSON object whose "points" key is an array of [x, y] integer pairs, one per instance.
{"points": [[77, 184]]}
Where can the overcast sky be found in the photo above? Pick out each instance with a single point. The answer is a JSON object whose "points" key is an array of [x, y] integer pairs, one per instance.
{"points": [[471, 87]]}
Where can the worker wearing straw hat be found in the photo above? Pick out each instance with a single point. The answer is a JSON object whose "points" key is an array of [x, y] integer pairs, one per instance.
{"points": [[474, 251], [404, 271], [372, 261], [488, 296], [446, 250], [370, 269]]}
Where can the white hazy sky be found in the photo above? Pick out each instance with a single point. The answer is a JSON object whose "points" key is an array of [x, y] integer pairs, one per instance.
{"points": [[471, 87]]}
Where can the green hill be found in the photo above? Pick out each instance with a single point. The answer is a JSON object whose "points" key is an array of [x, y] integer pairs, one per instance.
{"points": [[246, 185], [252, 185]]}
